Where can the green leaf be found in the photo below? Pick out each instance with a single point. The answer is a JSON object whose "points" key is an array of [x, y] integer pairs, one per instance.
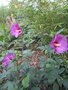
{"points": [[60, 31], [25, 81], [61, 70], [43, 58], [1, 38], [51, 80], [1, 58], [21, 88], [60, 80], [65, 83], [42, 61], [52, 75], [41, 48], [35, 88], [4, 74], [11, 86], [28, 52], [55, 86], [0, 81], [48, 48], [4, 26], [52, 33], [50, 64]]}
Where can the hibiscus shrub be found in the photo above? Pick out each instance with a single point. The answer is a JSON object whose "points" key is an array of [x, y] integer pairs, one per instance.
{"points": [[33, 72], [29, 58]]}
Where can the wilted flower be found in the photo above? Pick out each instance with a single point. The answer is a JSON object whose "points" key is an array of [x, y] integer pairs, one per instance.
{"points": [[16, 30], [59, 43], [8, 58]]}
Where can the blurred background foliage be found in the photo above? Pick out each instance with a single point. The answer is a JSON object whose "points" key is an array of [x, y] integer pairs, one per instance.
{"points": [[41, 17], [40, 20]]}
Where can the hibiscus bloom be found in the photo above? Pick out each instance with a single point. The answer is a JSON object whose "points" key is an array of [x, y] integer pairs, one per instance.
{"points": [[16, 30], [59, 43], [8, 58]]}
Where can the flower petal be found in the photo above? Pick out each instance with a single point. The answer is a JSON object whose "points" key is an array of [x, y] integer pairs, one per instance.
{"points": [[59, 43]]}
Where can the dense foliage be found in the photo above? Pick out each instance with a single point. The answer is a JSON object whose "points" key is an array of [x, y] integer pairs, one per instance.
{"points": [[27, 61]]}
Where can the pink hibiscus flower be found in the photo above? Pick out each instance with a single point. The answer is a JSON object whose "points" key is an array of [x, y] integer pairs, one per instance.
{"points": [[16, 30], [59, 43], [8, 58]]}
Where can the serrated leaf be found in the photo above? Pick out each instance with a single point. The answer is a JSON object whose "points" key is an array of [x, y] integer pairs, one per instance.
{"points": [[25, 81]]}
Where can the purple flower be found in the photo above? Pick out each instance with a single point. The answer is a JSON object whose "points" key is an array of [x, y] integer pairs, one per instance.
{"points": [[8, 58], [59, 43], [16, 30]]}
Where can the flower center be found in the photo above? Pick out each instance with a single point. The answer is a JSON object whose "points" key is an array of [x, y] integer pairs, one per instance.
{"points": [[18, 30], [57, 44]]}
